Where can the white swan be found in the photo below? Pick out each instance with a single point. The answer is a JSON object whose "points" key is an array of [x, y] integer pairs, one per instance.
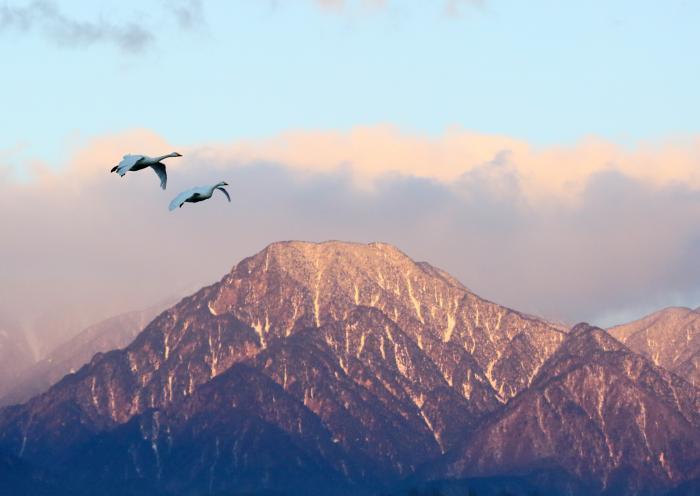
{"points": [[198, 194], [137, 162]]}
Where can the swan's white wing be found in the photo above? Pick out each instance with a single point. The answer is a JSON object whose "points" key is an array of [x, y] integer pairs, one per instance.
{"points": [[127, 163], [221, 188], [180, 199], [160, 170]]}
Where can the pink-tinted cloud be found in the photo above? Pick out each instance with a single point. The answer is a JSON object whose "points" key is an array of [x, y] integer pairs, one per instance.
{"points": [[573, 233], [561, 172]]}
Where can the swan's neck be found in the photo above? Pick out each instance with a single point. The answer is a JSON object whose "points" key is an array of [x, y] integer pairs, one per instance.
{"points": [[161, 157]]}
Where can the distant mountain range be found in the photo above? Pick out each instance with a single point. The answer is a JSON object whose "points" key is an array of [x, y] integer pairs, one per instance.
{"points": [[341, 368], [113, 333]]}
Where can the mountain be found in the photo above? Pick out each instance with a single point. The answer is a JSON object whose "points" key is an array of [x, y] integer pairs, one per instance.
{"points": [[395, 358], [15, 356], [342, 368], [598, 419], [670, 338], [112, 333]]}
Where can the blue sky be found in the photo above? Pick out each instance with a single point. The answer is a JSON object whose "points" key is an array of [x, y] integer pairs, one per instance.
{"points": [[549, 72]]}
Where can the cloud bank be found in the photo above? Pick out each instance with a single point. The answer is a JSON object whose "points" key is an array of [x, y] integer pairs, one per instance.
{"points": [[561, 173], [589, 232]]}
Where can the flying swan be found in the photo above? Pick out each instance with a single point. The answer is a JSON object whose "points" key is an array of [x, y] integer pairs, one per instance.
{"points": [[198, 194], [137, 162]]}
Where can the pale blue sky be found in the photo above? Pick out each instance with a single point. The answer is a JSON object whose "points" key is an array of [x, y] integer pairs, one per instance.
{"points": [[547, 71]]}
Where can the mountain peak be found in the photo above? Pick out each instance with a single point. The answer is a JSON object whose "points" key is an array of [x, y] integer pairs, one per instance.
{"points": [[582, 345], [321, 281], [288, 254], [670, 338], [313, 248], [368, 260], [669, 316], [585, 338]]}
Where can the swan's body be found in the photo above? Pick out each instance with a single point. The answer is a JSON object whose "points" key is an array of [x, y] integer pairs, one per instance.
{"points": [[198, 194], [135, 163]]}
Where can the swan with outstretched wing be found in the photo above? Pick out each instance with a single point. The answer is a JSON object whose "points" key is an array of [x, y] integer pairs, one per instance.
{"points": [[133, 163], [198, 194]]}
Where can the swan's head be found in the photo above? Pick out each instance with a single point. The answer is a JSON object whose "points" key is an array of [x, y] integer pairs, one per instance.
{"points": [[223, 183], [175, 154]]}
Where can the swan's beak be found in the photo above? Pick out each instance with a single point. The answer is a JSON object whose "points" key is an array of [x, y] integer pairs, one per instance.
{"points": [[225, 183]]}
